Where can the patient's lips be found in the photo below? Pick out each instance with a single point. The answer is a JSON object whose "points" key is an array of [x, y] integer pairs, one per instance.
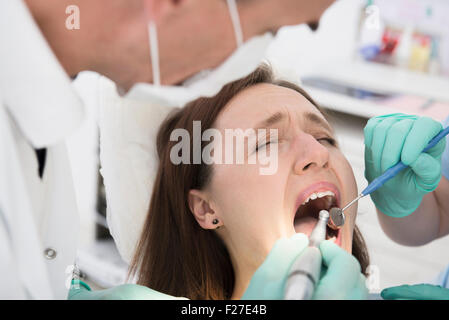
{"points": [[316, 188], [316, 197]]}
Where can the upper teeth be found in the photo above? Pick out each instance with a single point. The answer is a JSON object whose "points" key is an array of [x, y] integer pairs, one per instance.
{"points": [[316, 195]]}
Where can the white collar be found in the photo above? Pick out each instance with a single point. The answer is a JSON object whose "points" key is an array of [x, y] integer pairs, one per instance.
{"points": [[33, 85]]}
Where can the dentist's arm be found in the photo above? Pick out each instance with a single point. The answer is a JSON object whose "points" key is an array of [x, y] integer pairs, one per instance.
{"points": [[428, 222], [410, 210]]}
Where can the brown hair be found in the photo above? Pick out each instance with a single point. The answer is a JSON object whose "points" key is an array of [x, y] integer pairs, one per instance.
{"points": [[175, 255]]}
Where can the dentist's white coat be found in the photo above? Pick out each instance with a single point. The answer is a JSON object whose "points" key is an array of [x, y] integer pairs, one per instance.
{"points": [[38, 109]]}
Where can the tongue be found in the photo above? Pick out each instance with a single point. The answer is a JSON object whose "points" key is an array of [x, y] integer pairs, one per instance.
{"points": [[305, 225]]}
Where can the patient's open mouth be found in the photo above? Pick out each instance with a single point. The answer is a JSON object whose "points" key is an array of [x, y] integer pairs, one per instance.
{"points": [[306, 215]]}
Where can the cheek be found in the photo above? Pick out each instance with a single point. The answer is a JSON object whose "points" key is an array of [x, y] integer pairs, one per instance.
{"points": [[348, 185], [349, 179], [351, 192], [348, 189], [241, 194], [345, 175]]}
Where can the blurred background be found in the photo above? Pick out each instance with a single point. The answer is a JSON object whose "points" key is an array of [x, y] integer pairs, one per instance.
{"points": [[367, 58]]}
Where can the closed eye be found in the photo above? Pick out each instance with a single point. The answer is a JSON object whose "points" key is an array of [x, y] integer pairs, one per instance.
{"points": [[262, 145], [328, 140]]}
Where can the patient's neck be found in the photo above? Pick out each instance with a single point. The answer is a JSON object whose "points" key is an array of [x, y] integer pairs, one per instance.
{"points": [[245, 265], [241, 284], [247, 255]]}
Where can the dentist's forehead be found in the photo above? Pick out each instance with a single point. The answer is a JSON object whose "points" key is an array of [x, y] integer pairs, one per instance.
{"points": [[266, 104]]}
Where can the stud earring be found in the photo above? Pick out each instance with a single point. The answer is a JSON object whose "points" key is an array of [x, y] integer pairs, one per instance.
{"points": [[215, 221]]}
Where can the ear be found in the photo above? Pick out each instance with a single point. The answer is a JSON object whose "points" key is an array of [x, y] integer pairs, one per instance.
{"points": [[156, 9], [202, 211]]}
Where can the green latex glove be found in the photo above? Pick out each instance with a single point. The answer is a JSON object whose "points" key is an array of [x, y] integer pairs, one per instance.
{"points": [[268, 282], [416, 292], [341, 277], [399, 137], [81, 291]]}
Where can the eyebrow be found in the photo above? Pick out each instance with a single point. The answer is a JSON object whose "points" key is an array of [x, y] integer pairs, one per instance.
{"points": [[280, 116], [312, 117], [271, 120]]}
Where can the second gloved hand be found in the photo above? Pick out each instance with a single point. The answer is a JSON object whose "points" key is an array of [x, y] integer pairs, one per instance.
{"points": [[416, 292], [81, 291], [399, 137], [341, 277]]}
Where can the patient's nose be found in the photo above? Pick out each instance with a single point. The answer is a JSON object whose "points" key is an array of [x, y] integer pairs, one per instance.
{"points": [[311, 155]]}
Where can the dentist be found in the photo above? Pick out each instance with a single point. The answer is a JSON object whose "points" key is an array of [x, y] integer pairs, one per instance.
{"points": [[39, 110]]}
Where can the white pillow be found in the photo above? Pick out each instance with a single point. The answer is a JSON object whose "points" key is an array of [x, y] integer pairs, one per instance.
{"points": [[129, 162]]}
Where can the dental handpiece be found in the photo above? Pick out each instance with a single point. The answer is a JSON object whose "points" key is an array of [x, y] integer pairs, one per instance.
{"points": [[305, 270], [337, 217]]}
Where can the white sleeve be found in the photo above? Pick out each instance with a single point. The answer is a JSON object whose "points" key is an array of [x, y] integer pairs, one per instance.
{"points": [[10, 287], [10, 284]]}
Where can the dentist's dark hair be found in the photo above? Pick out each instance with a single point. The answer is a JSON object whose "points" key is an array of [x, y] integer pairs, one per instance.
{"points": [[175, 255]]}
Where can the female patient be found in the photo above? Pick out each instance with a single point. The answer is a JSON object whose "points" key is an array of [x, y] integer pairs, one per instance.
{"points": [[210, 226]]}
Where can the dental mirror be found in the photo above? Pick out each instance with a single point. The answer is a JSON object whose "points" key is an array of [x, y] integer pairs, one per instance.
{"points": [[336, 218]]}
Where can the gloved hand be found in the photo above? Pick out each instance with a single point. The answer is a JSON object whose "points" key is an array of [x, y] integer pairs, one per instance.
{"points": [[268, 282], [399, 137], [341, 277], [416, 292], [81, 291]]}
